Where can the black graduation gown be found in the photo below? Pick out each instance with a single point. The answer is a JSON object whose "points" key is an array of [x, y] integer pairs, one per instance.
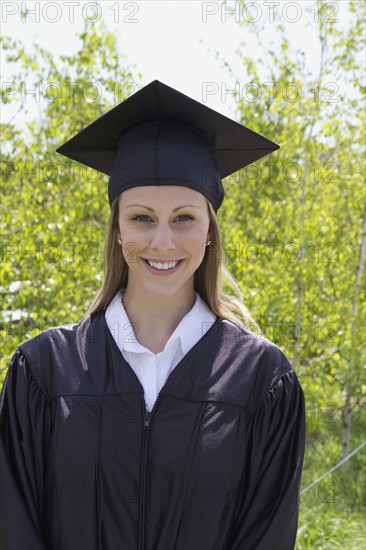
{"points": [[216, 466]]}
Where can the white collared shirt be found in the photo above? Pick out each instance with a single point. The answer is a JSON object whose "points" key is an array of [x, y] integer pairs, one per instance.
{"points": [[153, 369]]}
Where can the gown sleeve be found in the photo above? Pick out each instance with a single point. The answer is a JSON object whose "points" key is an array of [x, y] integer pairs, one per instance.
{"points": [[24, 428], [269, 506]]}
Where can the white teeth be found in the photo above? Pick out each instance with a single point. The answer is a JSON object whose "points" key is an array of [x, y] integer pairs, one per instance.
{"points": [[158, 265]]}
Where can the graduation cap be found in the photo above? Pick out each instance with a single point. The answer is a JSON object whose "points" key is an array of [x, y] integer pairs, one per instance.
{"points": [[159, 136]]}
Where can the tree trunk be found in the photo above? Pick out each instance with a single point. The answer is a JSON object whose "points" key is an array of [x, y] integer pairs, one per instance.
{"points": [[346, 427], [347, 410]]}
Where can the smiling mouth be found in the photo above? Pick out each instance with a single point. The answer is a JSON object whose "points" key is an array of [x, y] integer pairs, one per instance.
{"points": [[163, 266]]}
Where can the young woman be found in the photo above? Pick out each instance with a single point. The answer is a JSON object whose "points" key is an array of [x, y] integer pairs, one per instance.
{"points": [[160, 421]]}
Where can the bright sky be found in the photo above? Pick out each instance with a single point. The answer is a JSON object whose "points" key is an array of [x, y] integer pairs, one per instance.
{"points": [[171, 40]]}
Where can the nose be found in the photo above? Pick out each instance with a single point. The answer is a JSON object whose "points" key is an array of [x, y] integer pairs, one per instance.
{"points": [[162, 238]]}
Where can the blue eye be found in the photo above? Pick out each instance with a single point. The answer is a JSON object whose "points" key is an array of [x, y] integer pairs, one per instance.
{"points": [[138, 218], [186, 216]]}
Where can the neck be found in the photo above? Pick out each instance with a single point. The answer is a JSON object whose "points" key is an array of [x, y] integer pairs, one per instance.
{"points": [[154, 318]]}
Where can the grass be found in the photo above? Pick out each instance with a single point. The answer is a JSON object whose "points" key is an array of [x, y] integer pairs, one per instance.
{"points": [[332, 513]]}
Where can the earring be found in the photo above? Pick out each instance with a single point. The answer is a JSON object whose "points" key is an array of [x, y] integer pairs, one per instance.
{"points": [[208, 243], [119, 241]]}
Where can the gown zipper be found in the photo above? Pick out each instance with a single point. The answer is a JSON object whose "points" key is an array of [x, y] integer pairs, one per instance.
{"points": [[147, 417]]}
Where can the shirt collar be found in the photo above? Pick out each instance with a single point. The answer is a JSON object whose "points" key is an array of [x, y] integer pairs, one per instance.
{"points": [[190, 329]]}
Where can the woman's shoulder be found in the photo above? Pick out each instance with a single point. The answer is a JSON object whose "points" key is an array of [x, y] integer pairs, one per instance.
{"points": [[241, 338], [61, 336], [255, 361], [48, 353]]}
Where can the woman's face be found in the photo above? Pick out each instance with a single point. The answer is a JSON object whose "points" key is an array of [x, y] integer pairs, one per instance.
{"points": [[164, 230]]}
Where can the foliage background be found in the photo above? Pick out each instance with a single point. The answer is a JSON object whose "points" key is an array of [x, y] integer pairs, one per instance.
{"points": [[293, 228]]}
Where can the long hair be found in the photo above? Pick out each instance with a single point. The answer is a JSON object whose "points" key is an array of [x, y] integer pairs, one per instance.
{"points": [[209, 278]]}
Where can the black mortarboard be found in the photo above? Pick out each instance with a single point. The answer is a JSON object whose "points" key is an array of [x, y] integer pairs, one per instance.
{"points": [[159, 136]]}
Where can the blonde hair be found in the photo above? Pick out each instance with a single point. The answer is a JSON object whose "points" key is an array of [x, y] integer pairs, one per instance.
{"points": [[209, 278]]}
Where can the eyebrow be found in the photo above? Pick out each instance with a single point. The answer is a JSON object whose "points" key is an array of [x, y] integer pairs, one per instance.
{"points": [[152, 210]]}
